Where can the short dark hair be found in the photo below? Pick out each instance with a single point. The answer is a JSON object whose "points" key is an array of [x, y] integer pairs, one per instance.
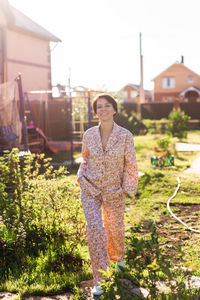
{"points": [[106, 96]]}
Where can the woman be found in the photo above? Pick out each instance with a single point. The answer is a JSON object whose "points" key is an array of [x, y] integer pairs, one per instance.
{"points": [[107, 173]]}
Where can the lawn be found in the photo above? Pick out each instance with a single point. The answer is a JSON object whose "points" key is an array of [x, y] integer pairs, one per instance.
{"points": [[48, 273], [155, 188]]}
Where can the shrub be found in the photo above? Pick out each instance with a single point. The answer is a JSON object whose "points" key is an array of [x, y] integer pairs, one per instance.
{"points": [[12, 244], [147, 265], [163, 145], [155, 126], [40, 209], [132, 122], [177, 126]]}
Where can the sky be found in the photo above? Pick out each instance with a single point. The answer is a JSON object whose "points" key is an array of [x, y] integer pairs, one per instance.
{"points": [[100, 38]]}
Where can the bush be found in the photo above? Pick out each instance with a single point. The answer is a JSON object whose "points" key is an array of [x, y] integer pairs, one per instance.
{"points": [[155, 126], [132, 122], [147, 265], [40, 209], [178, 122], [12, 244], [163, 145]]}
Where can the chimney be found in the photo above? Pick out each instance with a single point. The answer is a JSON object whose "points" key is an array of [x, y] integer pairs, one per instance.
{"points": [[182, 59]]}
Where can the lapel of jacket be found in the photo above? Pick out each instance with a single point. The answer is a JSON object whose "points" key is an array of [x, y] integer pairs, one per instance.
{"points": [[113, 138], [97, 138]]}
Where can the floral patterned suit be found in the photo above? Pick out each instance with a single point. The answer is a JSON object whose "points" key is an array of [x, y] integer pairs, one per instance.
{"points": [[104, 177]]}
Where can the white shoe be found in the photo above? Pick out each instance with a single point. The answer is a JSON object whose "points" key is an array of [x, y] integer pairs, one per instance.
{"points": [[97, 290], [118, 265]]}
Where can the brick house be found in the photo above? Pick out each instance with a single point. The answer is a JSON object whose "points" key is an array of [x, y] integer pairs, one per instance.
{"points": [[177, 82], [131, 92], [24, 48]]}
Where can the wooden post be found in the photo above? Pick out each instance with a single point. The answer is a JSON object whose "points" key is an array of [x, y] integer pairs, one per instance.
{"points": [[71, 120], [141, 98], [22, 110]]}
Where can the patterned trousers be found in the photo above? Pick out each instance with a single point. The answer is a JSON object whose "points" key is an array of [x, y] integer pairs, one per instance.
{"points": [[106, 242]]}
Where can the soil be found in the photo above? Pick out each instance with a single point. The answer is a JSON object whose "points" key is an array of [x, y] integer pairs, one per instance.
{"points": [[176, 234]]}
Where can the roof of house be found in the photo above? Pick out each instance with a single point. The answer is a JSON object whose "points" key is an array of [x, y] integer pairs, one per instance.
{"points": [[19, 22], [191, 88], [176, 63], [137, 87]]}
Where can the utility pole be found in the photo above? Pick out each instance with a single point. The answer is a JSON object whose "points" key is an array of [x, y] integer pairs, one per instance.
{"points": [[69, 81], [71, 117], [141, 98]]}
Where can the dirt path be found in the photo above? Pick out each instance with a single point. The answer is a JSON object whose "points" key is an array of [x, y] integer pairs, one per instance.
{"points": [[184, 147], [195, 167], [10, 296]]}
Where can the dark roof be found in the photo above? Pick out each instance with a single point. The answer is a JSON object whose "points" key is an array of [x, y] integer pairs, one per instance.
{"points": [[137, 87], [176, 63], [18, 21]]}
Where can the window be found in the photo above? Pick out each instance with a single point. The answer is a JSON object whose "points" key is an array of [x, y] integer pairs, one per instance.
{"points": [[125, 94], [168, 82], [190, 79], [134, 94]]}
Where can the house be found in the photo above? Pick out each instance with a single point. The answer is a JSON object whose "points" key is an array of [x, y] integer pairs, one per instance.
{"points": [[177, 82], [24, 48], [131, 92]]}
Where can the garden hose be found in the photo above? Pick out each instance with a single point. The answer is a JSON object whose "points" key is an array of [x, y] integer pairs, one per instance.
{"points": [[173, 215]]}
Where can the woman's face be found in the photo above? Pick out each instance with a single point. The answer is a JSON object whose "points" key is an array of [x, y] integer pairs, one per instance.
{"points": [[105, 110]]}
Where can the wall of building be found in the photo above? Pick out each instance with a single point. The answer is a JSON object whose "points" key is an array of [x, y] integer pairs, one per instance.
{"points": [[128, 91], [1, 55], [31, 57], [181, 74], [2, 18], [3, 23]]}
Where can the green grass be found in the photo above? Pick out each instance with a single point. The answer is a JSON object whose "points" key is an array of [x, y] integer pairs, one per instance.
{"points": [[149, 204], [63, 156], [39, 278], [158, 184]]}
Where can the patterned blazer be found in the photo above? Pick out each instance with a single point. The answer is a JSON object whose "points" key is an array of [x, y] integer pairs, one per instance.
{"points": [[113, 170]]}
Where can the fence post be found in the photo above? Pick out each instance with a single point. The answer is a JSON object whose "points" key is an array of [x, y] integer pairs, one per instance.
{"points": [[71, 130], [89, 111], [22, 112]]}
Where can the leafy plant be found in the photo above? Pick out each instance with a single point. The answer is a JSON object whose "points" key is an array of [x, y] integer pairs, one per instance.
{"points": [[116, 287], [146, 260], [177, 125], [147, 266], [155, 126], [163, 145], [45, 203], [12, 244], [131, 122]]}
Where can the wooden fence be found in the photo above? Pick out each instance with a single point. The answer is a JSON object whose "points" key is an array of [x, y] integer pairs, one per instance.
{"points": [[53, 117]]}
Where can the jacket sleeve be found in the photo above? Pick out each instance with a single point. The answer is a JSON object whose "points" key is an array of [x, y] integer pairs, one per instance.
{"points": [[85, 184], [85, 156], [130, 174]]}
